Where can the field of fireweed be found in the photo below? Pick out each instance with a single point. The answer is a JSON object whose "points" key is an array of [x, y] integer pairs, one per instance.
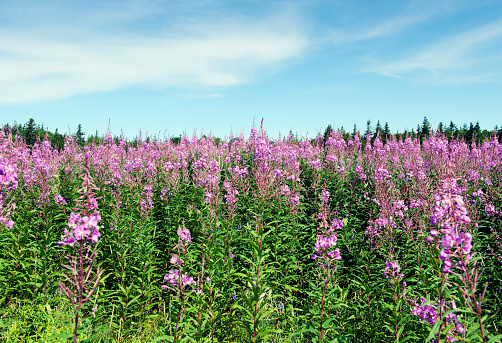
{"points": [[251, 240]]}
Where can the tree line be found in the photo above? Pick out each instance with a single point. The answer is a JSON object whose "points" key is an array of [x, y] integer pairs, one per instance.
{"points": [[468, 132], [30, 132]]}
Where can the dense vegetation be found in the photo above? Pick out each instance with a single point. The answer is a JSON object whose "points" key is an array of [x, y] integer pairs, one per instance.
{"points": [[338, 239]]}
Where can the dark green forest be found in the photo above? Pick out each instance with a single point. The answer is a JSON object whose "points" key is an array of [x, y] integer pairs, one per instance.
{"points": [[472, 132]]}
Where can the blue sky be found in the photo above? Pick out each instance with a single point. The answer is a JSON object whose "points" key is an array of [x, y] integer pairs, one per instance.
{"points": [[215, 66]]}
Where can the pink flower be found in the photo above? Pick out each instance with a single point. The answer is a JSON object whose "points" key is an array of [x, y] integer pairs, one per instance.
{"points": [[95, 236], [392, 269], [325, 196], [382, 174], [175, 260], [184, 235], [323, 247], [285, 190], [82, 228], [81, 232], [337, 254], [446, 266], [174, 279], [74, 219], [187, 280]]}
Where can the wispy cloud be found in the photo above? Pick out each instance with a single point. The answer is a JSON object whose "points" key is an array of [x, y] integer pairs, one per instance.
{"points": [[457, 59], [42, 64], [415, 13]]}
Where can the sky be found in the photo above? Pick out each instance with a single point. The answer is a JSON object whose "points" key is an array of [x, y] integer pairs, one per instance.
{"points": [[167, 67]]}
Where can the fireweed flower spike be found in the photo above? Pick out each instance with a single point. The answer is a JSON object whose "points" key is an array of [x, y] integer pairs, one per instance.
{"points": [[184, 237], [323, 248], [430, 313], [325, 256], [336, 224], [392, 270], [450, 214], [176, 281], [8, 183], [81, 228], [82, 232]]}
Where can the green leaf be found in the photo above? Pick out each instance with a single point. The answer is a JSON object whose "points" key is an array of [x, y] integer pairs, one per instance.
{"points": [[494, 339], [434, 330]]}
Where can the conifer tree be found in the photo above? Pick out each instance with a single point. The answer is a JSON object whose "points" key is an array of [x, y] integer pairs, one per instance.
{"points": [[30, 134], [80, 135]]}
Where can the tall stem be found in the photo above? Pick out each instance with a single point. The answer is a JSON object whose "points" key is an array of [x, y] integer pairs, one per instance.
{"points": [[322, 302], [80, 290]]}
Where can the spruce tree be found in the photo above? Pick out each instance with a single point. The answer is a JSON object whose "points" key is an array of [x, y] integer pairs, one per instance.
{"points": [[30, 132], [327, 133], [80, 135], [426, 127]]}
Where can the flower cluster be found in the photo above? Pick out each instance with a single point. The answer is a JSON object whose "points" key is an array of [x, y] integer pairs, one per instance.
{"points": [[417, 203], [6, 221], [8, 182], [450, 214], [174, 278], [184, 236], [175, 260], [59, 200], [378, 225], [178, 281], [323, 248], [285, 190], [146, 203], [399, 208], [231, 196], [359, 171], [425, 311], [8, 175], [207, 175], [429, 313], [449, 205], [165, 193], [323, 214], [490, 210], [315, 164], [325, 196], [293, 199], [462, 241], [239, 172], [382, 174], [336, 224], [392, 269], [81, 228]]}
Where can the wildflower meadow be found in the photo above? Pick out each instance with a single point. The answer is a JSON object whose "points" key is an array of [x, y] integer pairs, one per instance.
{"points": [[342, 238]]}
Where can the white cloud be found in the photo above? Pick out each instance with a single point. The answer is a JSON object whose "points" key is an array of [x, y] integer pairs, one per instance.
{"points": [[462, 58], [39, 65]]}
